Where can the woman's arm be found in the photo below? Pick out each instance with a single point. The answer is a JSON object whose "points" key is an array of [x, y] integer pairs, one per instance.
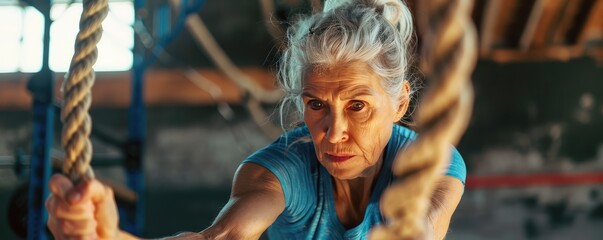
{"points": [[256, 201], [84, 210], [444, 201]]}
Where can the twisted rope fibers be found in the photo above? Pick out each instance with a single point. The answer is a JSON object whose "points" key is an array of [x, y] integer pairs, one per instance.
{"points": [[449, 55], [77, 92]]}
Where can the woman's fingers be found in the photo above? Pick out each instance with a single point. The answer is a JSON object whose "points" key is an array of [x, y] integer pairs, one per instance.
{"points": [[61, 209], [73, 228], [106, 210], [92, 190], [70, 221], [86, 210], [60, 186]]}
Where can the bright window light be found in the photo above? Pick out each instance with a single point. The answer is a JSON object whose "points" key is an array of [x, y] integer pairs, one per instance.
{"points": [[21, 41]]}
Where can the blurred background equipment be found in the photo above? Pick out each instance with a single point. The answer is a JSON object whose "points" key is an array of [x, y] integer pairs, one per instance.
{"points": [[185, 91]]}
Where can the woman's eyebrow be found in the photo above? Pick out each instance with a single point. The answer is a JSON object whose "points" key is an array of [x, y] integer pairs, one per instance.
{"points": [[309, 95], [356, 91]]}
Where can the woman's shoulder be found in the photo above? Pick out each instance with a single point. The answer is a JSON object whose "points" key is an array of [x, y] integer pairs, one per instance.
{"points": [[402, 135]]}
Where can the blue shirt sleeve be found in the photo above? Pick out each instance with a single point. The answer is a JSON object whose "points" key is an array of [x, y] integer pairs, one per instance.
{"points": [[457, 166], [402, 137]]}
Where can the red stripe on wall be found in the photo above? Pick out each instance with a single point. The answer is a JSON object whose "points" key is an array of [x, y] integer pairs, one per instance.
{"points": [[547, 179]]}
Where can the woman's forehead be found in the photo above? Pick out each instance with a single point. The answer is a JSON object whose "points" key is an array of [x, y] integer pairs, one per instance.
{"points": [[350, 75], [345, 91], [340, 69], [345, 86]]}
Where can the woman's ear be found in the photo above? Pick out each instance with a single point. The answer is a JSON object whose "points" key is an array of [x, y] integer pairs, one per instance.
{"points": [[403, 102]]}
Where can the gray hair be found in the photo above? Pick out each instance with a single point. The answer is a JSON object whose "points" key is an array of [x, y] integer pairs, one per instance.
{"points": [[376, 32]]}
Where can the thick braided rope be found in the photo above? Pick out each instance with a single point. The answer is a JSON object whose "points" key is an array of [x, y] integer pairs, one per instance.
{"points": [[76, 92], [449, 55]]}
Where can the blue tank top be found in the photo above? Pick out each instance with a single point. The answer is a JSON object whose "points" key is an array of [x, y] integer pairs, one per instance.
{"points": [[309, 202]]}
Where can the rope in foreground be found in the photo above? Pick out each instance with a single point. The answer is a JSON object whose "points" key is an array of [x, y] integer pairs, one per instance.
{"points": [[77, 92], [448, 55]]}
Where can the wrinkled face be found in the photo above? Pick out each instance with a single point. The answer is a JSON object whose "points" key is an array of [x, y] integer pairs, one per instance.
{"points": [[350, 117]]}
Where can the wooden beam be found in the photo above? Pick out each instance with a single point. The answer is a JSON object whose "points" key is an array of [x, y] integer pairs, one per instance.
{"points": [[549, 21], [162, 87], [539, 28], [593, 28], [558, 53], [531, 25], [13, 90], [566, 20], [495, 26], [490, 28]]}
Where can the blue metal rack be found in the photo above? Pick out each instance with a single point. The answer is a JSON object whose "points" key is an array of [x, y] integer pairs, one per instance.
{"points": [[41, 86], [134, 218]]}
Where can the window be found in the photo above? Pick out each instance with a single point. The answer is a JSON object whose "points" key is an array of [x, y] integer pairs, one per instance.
{"points": [[21, 42]]}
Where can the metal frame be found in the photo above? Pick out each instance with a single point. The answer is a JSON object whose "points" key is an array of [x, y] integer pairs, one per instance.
{"points": [[137, 113], [41, 85]]}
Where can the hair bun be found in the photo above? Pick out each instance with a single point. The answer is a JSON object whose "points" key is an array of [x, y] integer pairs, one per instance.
{"points": [[398, 14], [392, 10]]}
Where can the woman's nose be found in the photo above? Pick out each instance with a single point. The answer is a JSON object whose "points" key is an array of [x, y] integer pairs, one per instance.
{"points": [[337, 129]]}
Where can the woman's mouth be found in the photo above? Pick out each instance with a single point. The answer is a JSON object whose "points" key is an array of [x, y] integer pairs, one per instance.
{"points": [[338, 158]]}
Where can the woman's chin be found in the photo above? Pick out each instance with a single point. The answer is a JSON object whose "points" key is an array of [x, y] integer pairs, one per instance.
{"points": [[343, 174], [348, 171]]}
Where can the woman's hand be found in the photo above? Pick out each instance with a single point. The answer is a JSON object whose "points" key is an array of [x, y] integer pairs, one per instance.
{"points": [[84, 211]]}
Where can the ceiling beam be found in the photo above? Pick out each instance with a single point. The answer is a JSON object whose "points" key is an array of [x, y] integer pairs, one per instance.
{"points": [[555, 53], [567, 19], [541, 23], [495, 25], [162, 87], [490, 28], [593, 28]]}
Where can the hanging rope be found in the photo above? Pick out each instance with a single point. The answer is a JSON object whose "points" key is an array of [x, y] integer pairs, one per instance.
{"points": [[273, 27], [449, 55], [257, 94], [203, 37], [76, 92]]}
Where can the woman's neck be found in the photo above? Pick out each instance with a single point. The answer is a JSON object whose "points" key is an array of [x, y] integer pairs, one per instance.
{"points": [[353, 195]]}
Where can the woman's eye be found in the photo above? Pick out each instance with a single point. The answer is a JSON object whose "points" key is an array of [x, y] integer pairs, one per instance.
{"points": [[315, 104], [357, 106]]}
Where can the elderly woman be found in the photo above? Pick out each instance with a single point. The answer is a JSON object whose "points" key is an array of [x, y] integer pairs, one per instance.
{"points": [[345, 73]]}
